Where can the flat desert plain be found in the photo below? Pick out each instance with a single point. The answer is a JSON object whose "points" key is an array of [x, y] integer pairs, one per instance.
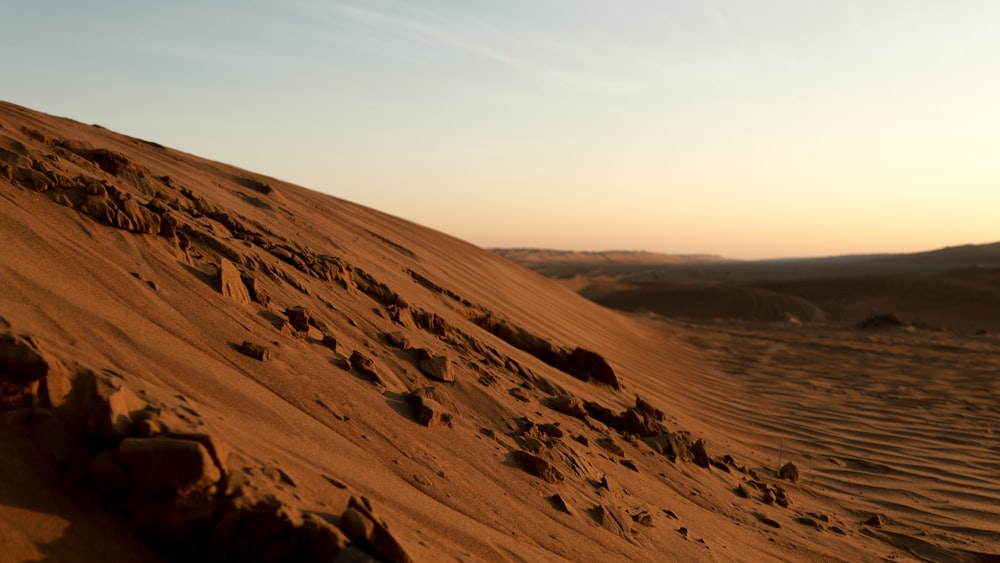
{"points": [[200, 363]]}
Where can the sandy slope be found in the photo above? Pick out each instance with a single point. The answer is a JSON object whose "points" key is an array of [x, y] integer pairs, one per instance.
{"points": [[144, 312]]}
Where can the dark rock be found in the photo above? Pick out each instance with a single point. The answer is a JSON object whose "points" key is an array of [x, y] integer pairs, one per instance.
{"points": [[611, 446], [255, 351], [167, 465], [366, 367], [700, 454], [769, 521], [742, 491], [539, 467], [789, 471], [330, 342], [769, 496], [438, 368], [299, 318], [593, 366], [629, 463], [255, 290], [876, 521], [551, 430], [562, 504]]}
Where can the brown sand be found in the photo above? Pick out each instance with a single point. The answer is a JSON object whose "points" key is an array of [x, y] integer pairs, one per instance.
{"points": [[111, 263]]}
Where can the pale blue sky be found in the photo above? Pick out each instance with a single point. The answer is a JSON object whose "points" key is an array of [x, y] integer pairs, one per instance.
{"points": [[747, 128]]}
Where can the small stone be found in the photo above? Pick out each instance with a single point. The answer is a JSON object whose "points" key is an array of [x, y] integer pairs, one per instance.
{"points": [[255, 351], [629, 463], [768, 497], [876, 521], [789, 471], [742, 491], [643, 518]]}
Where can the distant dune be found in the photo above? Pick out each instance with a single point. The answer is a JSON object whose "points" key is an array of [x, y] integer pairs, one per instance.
{"points": [[200, 363]]}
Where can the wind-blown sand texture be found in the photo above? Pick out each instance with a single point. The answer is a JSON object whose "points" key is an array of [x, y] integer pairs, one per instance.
{"points": [[200, 363]]}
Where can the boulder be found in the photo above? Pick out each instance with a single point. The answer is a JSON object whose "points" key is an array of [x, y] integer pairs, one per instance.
{"points": [[299, 318], [26, 370], [438, 368], [789, 471], [255, 351], [700, 454], [167, 466], [231, 283], [568, 404]]}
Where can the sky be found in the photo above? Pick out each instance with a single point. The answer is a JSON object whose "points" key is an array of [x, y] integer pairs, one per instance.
{"points": [[743, 128]]}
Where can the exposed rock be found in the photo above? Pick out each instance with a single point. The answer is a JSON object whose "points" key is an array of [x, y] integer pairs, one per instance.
{"points": [[568, 404], [742, 491], [585, 364], [26, 369], [612, 518], [382, 538], [789, 471], [562, 504], [629, 463], [700, 454], [299, 318], [354, 524], [769, 497], [643, 518], [166, 465], [366, 367], [676, 446], [876, 521], [611, 446], [255, 351], [539, 467], [231, 283], [428, 411], [330, 342], [551, 430], [438, 368], [397, 339], [115, 414], [255, 290]]}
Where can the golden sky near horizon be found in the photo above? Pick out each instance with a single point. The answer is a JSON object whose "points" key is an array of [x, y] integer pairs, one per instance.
{"points": [[742, 128]]}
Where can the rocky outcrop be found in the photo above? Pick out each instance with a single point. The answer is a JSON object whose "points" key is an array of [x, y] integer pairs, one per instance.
{"points": [[428, 409], [28, 374], [299, 318], [580, 363], [231, 283]]}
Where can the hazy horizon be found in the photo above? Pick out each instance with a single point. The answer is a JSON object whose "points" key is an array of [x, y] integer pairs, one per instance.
{"points": [[749, 130]]}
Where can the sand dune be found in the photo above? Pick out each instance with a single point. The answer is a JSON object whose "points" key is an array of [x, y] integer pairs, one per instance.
{"points": [[209, 364]]}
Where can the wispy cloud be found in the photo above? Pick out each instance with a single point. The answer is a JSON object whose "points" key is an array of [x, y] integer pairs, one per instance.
{"points": [[525, 55]]}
